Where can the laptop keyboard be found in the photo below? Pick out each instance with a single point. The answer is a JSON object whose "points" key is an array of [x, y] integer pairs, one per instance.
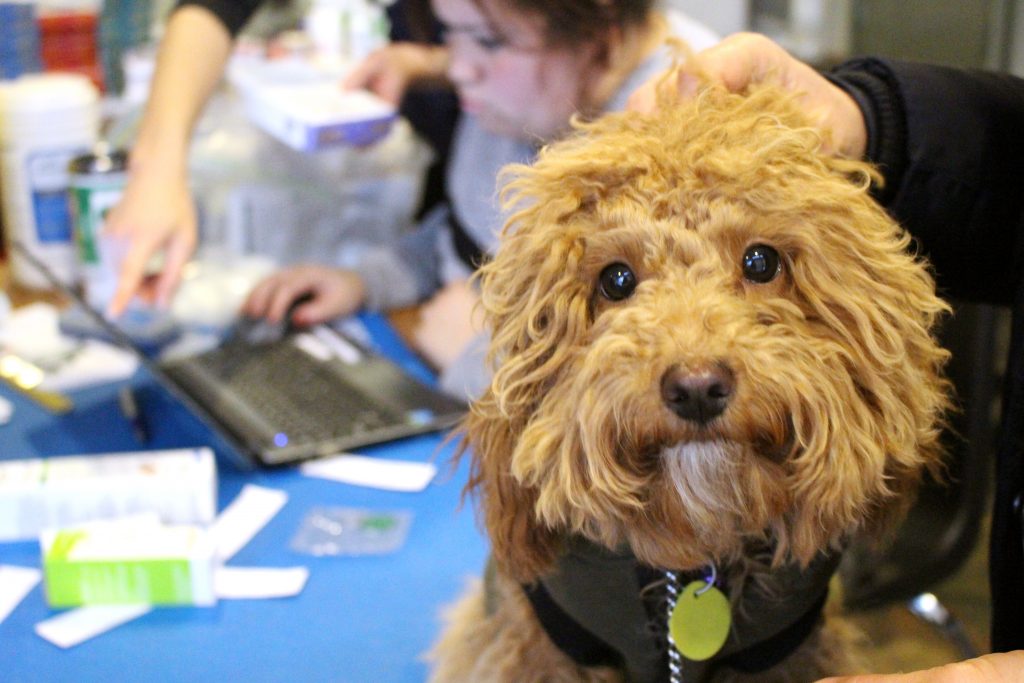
{"points": [[290, 390]]}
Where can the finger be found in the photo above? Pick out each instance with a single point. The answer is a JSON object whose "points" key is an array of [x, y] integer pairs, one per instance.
{"points": [[284, 296], [315, 311], [389, 88], [255, 304], [132, 270], [333, 298], [175, 258], [750, 58], [115, 223], [260, 298], [644, 99], [361, 75], [727, 64]]}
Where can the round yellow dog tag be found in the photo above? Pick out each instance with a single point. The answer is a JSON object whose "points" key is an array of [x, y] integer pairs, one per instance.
{"points": [[700, 621]]}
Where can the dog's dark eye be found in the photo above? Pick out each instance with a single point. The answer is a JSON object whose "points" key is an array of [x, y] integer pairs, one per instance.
{"points": [[617, 282], [761, 263]]}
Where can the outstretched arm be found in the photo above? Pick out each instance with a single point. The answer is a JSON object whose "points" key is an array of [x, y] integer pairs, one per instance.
{"points": [[156, 212]]}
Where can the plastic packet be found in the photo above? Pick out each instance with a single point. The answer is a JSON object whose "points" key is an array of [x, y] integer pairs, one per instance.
{"points": [[351, 531]]}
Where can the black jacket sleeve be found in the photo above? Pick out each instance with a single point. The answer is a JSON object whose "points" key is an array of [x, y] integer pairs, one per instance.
{"points": [[950, 147], [232, 13]]}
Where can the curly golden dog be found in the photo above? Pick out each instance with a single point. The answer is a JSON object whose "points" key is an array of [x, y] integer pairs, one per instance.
{"points": [[714, 365]]}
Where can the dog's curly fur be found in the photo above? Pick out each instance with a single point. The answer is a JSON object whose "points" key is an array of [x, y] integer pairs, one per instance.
{"points": [[835, 395]]}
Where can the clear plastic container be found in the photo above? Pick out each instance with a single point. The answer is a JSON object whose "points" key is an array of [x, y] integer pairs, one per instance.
{"points": [[255, 195]]}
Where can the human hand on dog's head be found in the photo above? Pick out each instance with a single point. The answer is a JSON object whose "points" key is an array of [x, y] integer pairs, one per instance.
{"points": [[746, 59]]}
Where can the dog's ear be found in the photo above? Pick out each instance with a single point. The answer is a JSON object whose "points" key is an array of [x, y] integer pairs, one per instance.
{"points": [[520, 544], [536, 307], [879, 311], [534, 296]]}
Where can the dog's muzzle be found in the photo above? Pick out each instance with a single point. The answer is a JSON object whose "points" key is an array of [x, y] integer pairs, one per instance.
{"points": [[698, 395]]}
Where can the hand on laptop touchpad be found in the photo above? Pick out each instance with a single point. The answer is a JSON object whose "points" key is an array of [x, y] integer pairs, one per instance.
{"points": [[263, 331]]}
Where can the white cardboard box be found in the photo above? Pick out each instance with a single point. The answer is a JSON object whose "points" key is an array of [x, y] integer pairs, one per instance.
{"points": [[179, 485], [305, 107]]}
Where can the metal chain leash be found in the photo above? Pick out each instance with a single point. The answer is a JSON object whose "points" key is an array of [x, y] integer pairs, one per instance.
{"points": [[675, 660]]}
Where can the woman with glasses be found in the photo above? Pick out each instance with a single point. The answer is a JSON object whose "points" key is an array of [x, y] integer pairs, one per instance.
{"points": [[521, 70]]}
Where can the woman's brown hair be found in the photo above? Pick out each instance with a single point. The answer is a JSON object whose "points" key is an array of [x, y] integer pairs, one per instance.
{"points": [[573, 22], [568, 22]]}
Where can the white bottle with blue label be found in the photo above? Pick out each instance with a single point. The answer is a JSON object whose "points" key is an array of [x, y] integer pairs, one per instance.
{"points": [[45, 121]]}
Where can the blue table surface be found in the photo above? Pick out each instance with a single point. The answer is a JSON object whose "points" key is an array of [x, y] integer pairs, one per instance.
{"points": [[367, 618]]}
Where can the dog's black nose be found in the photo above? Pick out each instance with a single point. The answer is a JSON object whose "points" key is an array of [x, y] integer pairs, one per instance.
{"points": [[698, 396]]}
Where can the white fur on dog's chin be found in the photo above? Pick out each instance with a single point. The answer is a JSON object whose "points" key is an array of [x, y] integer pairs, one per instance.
{"points": [[696, 468], [690, 461]]}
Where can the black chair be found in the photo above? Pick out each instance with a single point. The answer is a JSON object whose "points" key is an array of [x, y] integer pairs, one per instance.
{"points": [[943, 527]]}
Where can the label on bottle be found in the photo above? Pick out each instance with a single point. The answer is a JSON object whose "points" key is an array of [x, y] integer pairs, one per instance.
{"points": [[95, 186]]}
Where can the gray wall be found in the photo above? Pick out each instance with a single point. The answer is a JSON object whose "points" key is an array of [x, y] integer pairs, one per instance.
{"points": [[925, 30], [974, 33], [1016, 33], [724, 16]]}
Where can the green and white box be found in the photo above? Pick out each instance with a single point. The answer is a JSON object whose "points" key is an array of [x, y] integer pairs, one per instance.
{"points": [[128, 563], [179, 485]]}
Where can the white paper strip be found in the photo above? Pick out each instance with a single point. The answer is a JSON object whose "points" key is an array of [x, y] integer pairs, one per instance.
{"points": [[391, 475], [15, 584], [244, 517], [78, 625], [6, 410], [234, 583]]}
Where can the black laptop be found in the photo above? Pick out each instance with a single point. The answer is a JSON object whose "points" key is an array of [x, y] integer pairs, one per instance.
{"points": [[313, 392]]}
